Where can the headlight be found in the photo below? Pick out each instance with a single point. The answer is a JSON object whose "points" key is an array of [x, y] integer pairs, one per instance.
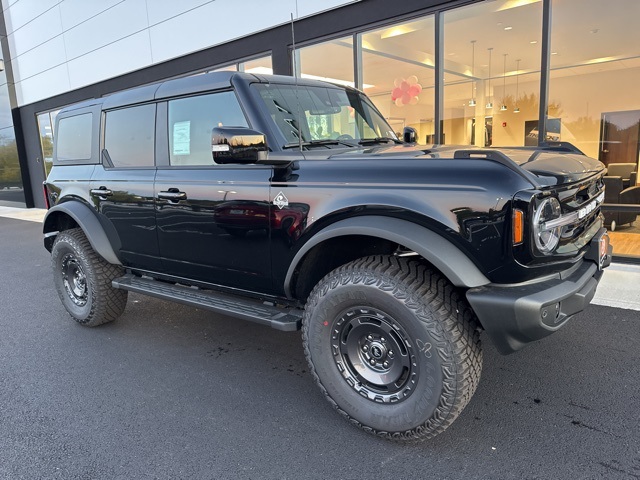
{"points": [[547, 236]]}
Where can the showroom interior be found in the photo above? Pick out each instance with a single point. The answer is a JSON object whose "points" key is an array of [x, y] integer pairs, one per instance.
{"points": [[484, 73]]}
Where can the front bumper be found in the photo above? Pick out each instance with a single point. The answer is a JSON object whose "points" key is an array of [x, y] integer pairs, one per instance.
{"points": [[515, 315]]}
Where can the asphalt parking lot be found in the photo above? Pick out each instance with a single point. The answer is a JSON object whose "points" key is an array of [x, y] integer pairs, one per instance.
{"points": [[168, 391]]}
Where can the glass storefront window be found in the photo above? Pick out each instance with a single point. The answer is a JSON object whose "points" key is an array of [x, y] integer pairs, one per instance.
{"points": [[257, 65], [398, 73], [226, 68], [46, 124], [595, 73], [330, 61], [492, 55], [11, 192]]}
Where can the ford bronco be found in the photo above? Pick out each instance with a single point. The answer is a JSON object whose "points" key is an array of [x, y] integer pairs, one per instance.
{"points": [[292, 203]]}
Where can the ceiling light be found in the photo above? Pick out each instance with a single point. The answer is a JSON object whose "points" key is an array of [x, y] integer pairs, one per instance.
{"points": [[346, 83], [395, 31], [472, 102], [503, 107], [517, 109], [508, 4], [489, 103], [508, 28], [533, 42]]}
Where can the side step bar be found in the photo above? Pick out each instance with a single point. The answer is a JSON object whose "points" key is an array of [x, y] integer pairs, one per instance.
{"points": [[280, 318]]}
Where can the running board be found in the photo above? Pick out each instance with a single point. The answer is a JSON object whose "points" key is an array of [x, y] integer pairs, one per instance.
{"points": [[280, 318]]}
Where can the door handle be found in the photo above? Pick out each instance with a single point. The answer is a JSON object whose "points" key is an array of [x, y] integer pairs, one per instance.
{"points": [[173, 195], [101, 192]]}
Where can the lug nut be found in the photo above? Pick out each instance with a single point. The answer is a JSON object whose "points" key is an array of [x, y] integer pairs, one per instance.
{"points": [[365, 348], [390, 354], [372, 361], [385, 364], [382, 339], [370, 337]]}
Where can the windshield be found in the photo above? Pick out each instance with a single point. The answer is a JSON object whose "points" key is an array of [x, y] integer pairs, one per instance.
{"points": [[322, 114]]}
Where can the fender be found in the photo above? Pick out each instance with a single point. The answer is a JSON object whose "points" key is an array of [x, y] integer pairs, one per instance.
{"points": [[440, 252], [90, 225]]}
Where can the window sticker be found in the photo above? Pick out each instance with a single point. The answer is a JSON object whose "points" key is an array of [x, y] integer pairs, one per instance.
{"points": [[182, 138]]}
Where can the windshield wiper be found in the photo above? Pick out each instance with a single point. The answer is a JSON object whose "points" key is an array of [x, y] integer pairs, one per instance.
{"points": [[369, 141], [319, 143]]}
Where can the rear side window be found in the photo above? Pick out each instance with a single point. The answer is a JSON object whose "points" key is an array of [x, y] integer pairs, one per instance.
{"points": [[73, 138], [129, 136], [191, 121]]}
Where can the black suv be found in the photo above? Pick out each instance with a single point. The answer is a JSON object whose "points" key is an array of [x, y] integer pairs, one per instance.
{"points": [[292, 203]]}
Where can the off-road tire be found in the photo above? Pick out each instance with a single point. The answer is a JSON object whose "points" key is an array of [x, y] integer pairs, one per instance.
{"points": [[405, 300], [83, 280]]}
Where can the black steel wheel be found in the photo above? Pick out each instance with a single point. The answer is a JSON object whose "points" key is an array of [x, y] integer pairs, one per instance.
{"points": [[393, 346], [83, 280], [374, 354]]}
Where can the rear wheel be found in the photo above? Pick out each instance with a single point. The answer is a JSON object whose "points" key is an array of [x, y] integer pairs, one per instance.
{"points": [[83, 280], [393, 346]]}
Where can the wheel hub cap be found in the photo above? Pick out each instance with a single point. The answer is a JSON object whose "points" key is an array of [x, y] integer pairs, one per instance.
{"points": [[374, 355], [74, 280]]}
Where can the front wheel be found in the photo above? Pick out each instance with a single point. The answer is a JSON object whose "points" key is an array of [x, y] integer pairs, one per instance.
{"points": [[83, 280], [393, 346]]}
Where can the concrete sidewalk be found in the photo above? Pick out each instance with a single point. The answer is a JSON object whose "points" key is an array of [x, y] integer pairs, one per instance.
{"points": [[619, 288]]}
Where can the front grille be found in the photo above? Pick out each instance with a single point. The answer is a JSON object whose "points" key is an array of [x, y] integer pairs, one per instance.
{"points": [[580, 198]]}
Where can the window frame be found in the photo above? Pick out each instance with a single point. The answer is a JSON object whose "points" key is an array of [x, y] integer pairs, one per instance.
{"points": [[93, 159], [103, 131], [163, 157]]}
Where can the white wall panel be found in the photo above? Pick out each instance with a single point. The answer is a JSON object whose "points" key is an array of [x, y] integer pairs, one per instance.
{"points": [[124, 19], [46, 84], [40, 30], [39, 59], [311, 7], [24, 11], [215, 23], [74, 12], [7, 3], [105, 38], [112, 60], [161, 10]]}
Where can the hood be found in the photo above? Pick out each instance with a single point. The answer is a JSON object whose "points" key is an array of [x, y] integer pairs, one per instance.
{"points": [[549, 166]]}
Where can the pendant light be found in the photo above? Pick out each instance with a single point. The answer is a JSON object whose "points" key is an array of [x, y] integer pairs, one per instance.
{"points": [[472, 102], [503, 107], [517, 109], [489, 103]]}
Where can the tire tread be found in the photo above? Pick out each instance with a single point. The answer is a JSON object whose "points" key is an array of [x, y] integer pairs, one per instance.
{"points": [[108, 302], [438, 304]]}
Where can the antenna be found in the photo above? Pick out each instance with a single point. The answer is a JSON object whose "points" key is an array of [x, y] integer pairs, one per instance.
{"points": [[295, 75]]}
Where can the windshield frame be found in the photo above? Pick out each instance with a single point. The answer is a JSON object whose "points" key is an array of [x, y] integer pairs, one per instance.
{"points": [[366, 121]]}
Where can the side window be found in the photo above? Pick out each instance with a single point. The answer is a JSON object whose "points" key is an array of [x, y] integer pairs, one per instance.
{"points": [[74, 138], [191, 121], [129, 136]]}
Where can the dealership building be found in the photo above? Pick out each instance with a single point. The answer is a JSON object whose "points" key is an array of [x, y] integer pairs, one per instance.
{"points": [[484, 73]]}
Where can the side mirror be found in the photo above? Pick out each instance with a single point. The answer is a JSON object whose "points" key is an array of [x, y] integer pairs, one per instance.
{"points": [[409, 135], [238, 145]]}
